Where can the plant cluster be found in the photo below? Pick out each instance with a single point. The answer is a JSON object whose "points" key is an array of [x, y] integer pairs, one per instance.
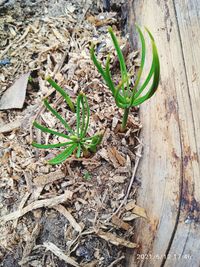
{"points": [[77, 139], [125, 97]]}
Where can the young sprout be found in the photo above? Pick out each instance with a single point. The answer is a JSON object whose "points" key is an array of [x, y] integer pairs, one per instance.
{"points": [[126, 97], [76, 140]]}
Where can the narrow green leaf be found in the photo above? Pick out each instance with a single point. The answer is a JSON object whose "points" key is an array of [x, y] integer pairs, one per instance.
{"points": [[58, 116], [47, 130], [105, 74], [96, 62], [62, 92], [120, 98], [134, 93], [154, 71], [78, 103], [109, 79], [51, 145], [96, 140], [121, 59], [85, 119], [78, 153], [63, 155]]}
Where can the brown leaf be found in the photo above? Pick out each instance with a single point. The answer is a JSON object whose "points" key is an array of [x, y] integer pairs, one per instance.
{"points": [[15, 95]]}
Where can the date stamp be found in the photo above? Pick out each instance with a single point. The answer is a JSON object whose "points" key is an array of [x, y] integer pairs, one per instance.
{"points": [[174, 257]]}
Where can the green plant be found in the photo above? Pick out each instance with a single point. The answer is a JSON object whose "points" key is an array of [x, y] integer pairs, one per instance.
{"points": [[125, 97], [87, 175], [78, 141]]}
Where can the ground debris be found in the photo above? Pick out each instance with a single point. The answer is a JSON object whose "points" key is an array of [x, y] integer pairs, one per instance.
{"points": [[58, 252], [67, 202], [38, 204], [116, 240]]}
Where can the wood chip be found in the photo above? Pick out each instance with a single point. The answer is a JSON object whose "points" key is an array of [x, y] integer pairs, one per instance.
{"points": [[119, 179], [120, 223], [15, 95], [51, 177], [58, 252], [69, 217], [115, 157], [10, 126], [140, 211], [130, 217], [118, 241], [130, 205], [49, 202]]}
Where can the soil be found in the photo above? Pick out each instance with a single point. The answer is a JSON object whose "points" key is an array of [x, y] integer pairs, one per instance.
{"points": [[94, 225]]}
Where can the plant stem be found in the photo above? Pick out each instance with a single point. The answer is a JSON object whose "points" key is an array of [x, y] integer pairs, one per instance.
{"points": [[124, 119]]}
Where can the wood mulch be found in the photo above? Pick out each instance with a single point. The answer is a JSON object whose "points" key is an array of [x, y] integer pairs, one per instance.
{"points": [[82, 212]]}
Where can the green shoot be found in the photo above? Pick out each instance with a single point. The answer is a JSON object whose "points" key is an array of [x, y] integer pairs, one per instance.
{"points": [[124, 96], [78, 141], [62, 92], [87, 176]]}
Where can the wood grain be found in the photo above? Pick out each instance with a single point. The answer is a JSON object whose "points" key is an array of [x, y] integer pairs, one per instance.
{"points": [[169, 170]]}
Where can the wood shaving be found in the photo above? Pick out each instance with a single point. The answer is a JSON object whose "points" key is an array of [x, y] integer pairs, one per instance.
{"points": [[116, 240], [38, 204], [58, 252]]}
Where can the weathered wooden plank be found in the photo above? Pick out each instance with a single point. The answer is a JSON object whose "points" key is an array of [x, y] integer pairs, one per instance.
{"points": [[169, 171], [187, 236]]}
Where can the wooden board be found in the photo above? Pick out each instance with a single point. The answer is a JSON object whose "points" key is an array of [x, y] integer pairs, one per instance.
{"points": [[170, 170]]}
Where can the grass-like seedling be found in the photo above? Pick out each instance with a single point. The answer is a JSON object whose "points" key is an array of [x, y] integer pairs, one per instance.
{"points": [[126, 97], [77, 140]]}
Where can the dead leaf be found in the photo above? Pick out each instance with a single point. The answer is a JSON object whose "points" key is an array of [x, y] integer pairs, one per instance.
{"points": [[15, 95]]}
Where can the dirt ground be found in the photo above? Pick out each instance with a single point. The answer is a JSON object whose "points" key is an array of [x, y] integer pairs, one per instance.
{"points": [[82, 212]]}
